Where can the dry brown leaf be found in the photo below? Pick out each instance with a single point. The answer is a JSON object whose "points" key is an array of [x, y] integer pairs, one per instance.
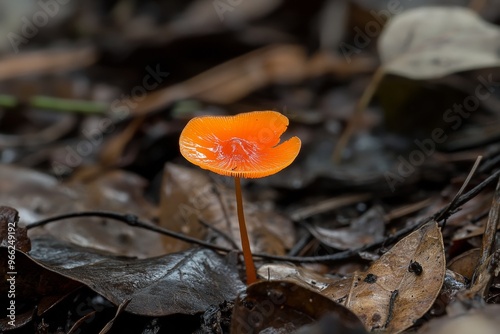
{"points": [[189, 198], [466, 263], [389, 280], [38, 196], [395, 291]]}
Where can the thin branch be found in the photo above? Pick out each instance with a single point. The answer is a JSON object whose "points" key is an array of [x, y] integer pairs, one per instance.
{"points": [[133, 221], [459, 193], [218, 231], [353, 121], [344, 255]]}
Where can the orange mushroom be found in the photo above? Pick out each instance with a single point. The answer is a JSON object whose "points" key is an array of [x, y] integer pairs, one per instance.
{"points": [[246, 145]]}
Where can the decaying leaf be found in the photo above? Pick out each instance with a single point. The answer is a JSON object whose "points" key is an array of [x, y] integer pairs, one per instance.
{"points": [[395, 291], [24, 282], [362, 231], [189, 198], [10, 233], [431, 42], [282, 307], [185, 283], [38, 196], [466, 263], [401, 286]]}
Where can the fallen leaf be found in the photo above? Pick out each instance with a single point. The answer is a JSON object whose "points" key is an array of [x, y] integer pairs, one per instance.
{"points": [[466, 263], [366, 229], [282, 307], [189, 197], [394, 292], [432, 42], [10, 233], [390, 295], [24, 282], [186, 283], [38, 196]]}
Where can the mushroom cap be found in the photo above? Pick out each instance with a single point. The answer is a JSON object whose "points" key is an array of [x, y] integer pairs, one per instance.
{"points": [[245, 145]]}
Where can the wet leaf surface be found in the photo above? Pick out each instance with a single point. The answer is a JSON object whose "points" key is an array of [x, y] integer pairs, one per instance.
{"points": [[190, 198], [185, 283], [11, 235]]}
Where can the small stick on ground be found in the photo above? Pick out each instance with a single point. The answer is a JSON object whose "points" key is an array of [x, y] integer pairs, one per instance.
{"points": [[489, 236], [340, 256], [459, 193]]}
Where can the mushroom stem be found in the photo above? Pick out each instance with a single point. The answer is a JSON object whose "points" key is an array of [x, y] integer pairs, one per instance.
{"points": [[245, 243]]}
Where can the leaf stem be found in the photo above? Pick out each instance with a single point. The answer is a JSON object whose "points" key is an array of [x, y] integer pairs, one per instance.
{"points": [[353, 121], [245, 243]]}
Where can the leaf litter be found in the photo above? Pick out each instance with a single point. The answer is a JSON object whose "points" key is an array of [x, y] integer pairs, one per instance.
{"points": [[189, 282], [370, 255], [394, 291]]}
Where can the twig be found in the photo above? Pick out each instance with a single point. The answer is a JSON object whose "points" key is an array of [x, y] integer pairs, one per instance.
{"points": [[224, 209], [488, 244], [121, 308], [223, 234], [491, 160], [344, 255], [459, 193], [133, 221], [406, 210], [352, 123], [303, 242], [76, 326], [327, 205]]}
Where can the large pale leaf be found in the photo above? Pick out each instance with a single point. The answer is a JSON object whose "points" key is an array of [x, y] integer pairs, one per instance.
{"points": [[431, 42], [186, 283], [395, 291]]}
